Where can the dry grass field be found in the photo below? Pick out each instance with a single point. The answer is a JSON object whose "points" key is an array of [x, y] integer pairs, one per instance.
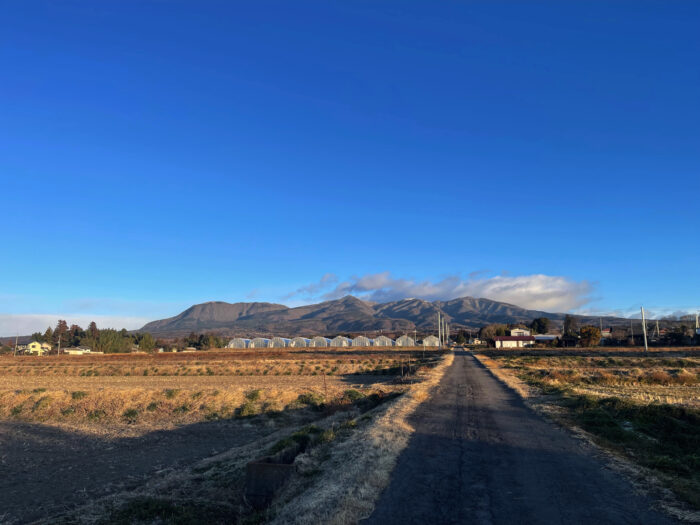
{"points": [[118, 429], [142, 392], [644, 407]]}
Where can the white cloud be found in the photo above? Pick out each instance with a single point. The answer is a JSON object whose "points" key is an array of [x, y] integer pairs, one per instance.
{"points": [[650, 312], [539, 292], [25, 324]]}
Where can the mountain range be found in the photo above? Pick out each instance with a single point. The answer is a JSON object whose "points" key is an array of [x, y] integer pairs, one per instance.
{"points": [[346, 315]]}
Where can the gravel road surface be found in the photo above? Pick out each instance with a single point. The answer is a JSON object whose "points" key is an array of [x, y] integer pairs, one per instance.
{"points": [[479, 455]]}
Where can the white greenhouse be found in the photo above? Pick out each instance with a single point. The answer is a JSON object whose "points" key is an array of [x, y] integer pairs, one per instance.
{"points": [[404, 340], [320, 342], [300, 342], [431, 340], [238, 342], [361, 340], [383, 341], [279, 342], [340, 341], [259, 342]]}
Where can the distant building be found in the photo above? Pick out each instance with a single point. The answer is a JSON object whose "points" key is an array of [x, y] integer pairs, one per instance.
{"points": [[545, 338], [320, 342], [259, 342], [431, 340], [362, 340], [77, 350], [519, 332], [383, 341], [513, 341], [300, 342], [405, 340], [280, 342], [238, 342], [36, 348], [340, 342], [475, 341]]}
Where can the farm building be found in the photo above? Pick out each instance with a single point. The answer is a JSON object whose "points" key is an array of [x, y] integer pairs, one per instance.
{"points": [[259, 342], [279, 342], [238, 342], [340, 341], [383, 340], [404, 340], [431, 340], [515, 332], [77, 350], [300, 342], [361, 340], [513, 341], [320, 342]]}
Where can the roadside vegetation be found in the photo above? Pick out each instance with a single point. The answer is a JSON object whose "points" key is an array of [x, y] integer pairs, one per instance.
{"points": [[646, 409]]}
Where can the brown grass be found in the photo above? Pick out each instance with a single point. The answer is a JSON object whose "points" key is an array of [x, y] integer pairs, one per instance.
{"points": [[358, 469]]}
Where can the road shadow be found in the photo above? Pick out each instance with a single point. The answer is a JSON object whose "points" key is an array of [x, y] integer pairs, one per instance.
{"points": [[45, 470]]}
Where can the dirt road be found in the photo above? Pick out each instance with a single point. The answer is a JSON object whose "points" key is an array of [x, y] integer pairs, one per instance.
{"points": [[479, 455]]}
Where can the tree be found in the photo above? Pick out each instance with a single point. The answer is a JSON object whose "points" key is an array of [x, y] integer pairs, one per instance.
{"points": [[540, 325], [570, 325], [61, 331], [92, 330], [36, 336], [460, 339], [147, 343], [48, 336], [590, 336], [492, 330]]}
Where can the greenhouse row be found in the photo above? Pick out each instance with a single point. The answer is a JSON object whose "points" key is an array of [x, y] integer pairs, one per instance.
{"points": [[337, 342]]}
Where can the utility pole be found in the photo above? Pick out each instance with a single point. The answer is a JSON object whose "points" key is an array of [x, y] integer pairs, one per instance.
{"points": [[16, 337], [59, 345], [644, 330], [439, 330]]}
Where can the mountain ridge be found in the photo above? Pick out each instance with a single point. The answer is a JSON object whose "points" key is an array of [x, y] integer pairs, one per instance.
{"points": [[348, 314]]}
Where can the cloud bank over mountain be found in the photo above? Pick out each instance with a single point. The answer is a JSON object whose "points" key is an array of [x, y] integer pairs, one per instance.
{"points": [[538, 291]]}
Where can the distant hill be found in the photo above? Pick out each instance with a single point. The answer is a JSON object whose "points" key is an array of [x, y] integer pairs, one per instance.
{"points": [[346, 315]]}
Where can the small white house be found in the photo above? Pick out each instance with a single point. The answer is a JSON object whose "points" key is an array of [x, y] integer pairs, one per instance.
{"points": [[519, 332], [78, 350], [513, 341]]}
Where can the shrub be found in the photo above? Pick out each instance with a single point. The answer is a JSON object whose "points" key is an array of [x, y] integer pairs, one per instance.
{"points": [[152, 406], [131, 415], [253, 395], [96, 415], [78, 394], [353, 395], [170, 392], [311, 399], [247, 409], [68, 411]]}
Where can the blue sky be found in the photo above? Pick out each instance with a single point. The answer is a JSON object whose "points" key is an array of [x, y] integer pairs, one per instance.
{"points": [[158, 154]]}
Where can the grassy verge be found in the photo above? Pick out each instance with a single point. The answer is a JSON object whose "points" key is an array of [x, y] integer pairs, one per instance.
{"points": [[343, 481]]}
